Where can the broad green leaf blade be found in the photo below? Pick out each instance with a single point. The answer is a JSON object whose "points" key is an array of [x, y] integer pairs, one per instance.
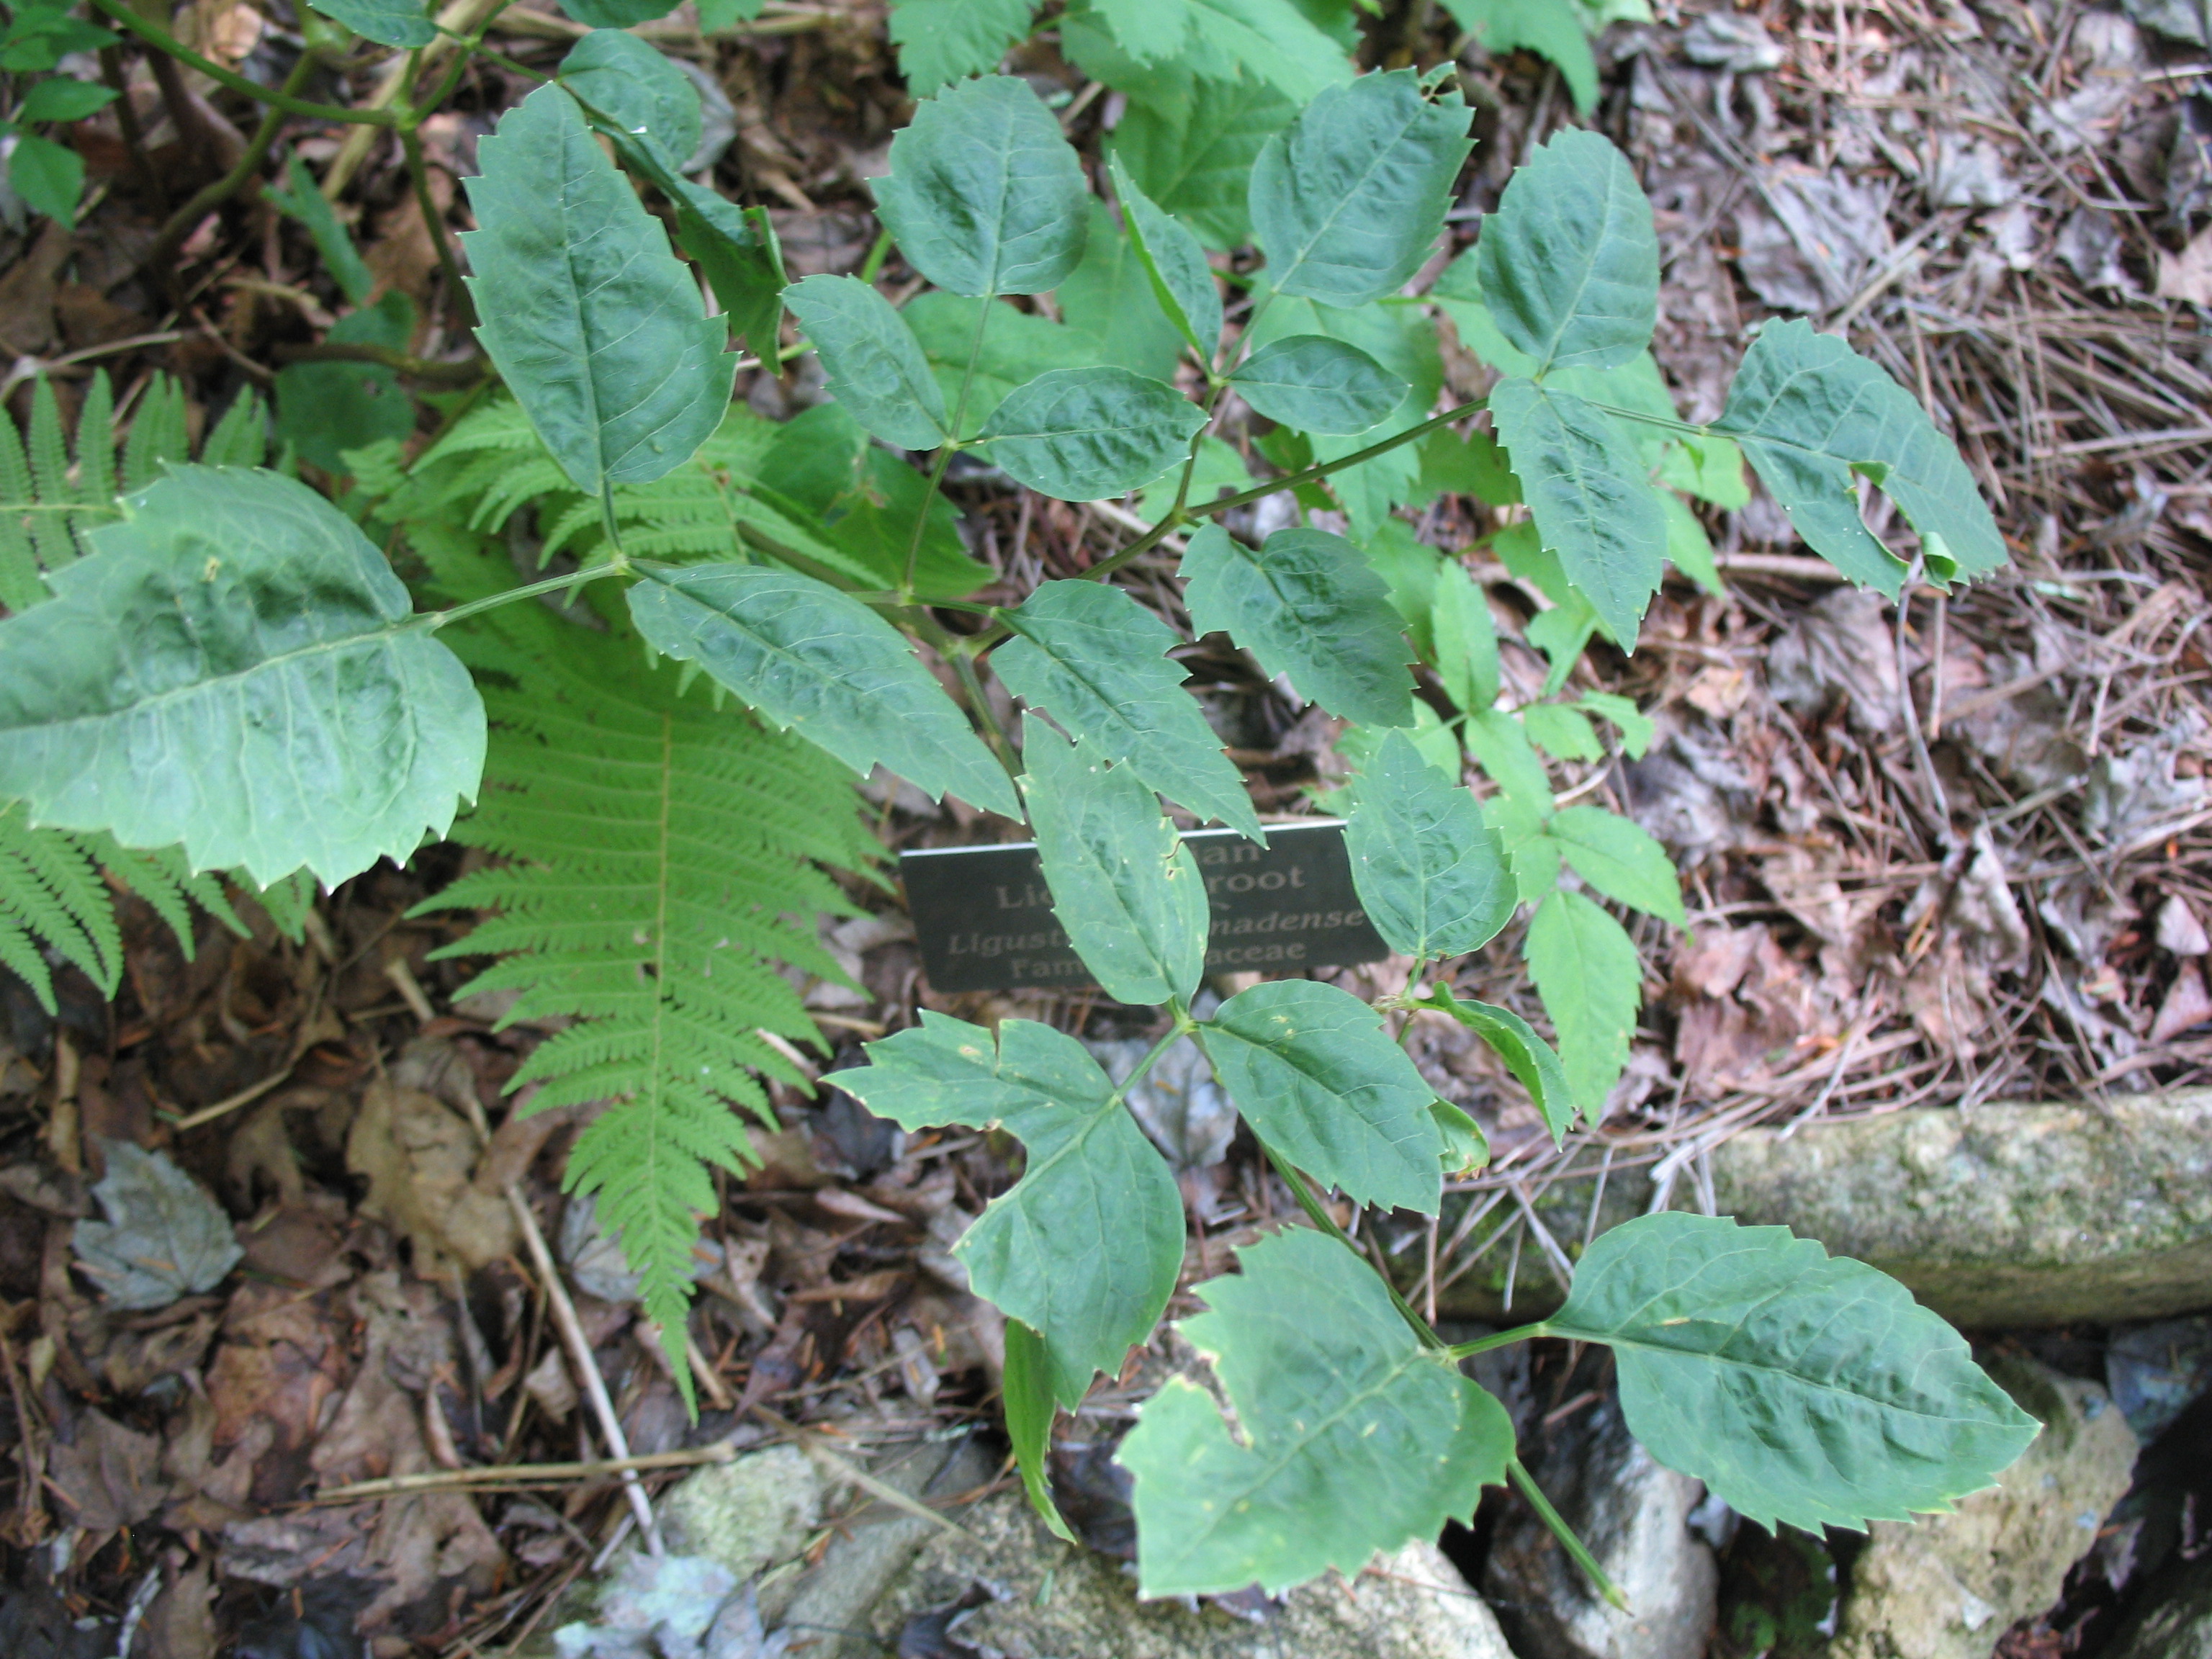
{"points": [[1314, 384], [639, 93], [1528, 1056], [1586, 970], [1570, 262], [1319, 1079], [1181, 280], [60, 98], [1192, 152], [234, 667], [1347, 201], [1619, 858], [1466, 1149], [1354, 1439], [1307, 605], [1430, 873], [1026, 1389], [875, 366], [942, 41], [1082, 434], [1095, 660], [1123, 884], [1273, 43], [48, 176], [816, 661], [649, 108], [616, 14], [323, 409], [1085, 1247], [1465, 639], [990, 348], [1563, 733], [1544, 27], [985, 196], [402, 23], [1799, 1387], [1107, 303], [593, 324], [1809, 411], [1589, 497]]}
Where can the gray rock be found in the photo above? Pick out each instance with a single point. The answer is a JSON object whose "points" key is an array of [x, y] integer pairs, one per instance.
{"points": [[1949, 1586], [1635, 1518], [2003, 1215], [2155, 1372], [2175, 1620], [1033, 1595], [746, 1515]]}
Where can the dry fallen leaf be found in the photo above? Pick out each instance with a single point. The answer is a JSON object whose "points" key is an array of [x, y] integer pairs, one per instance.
{"points": [[164, 1236], [111, 1477], [418, 1155], [2187, 275]]}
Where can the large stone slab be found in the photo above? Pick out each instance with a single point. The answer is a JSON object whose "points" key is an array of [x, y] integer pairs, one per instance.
{"points": [[2004, 1215]]}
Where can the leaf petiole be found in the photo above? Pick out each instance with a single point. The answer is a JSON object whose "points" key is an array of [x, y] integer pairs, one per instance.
{"points": [[1576, 1550], [1296, 1180], [1495, 1339], [434, 620]]}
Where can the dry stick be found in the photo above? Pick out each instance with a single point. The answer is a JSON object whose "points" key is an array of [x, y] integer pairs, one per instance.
{"points": [[587, 1369], [498, 1474]]}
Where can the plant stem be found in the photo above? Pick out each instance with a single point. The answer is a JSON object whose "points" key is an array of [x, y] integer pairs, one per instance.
{"points": [[434, 221], [944, 451], [1573, 1545], [1495, 1339], [1321, 1218], [180, 224], [466, 374], [1183, 1026], [161, 40], [1322, 469], [134, 136], [575, 579]]}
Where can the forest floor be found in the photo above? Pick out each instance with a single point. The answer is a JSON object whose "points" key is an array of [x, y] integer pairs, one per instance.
{"points": [[1943, 855]]}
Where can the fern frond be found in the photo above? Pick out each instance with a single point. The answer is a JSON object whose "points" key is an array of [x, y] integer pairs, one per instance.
{"points": [[662, 859], [157, 433], [51, 892], [241, 438]]}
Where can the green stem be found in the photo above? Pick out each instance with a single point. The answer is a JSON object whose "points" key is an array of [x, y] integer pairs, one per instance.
{"points": [[575, 579], [1565, 1534], [1321, 1218], [434, 221], [945, 450], [1495, 1339], [1663, 421], [1322, 469], [119, 12], [180, 224], [1183, 1026]]}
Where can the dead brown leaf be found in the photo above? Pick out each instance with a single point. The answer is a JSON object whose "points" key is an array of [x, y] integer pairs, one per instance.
{"points": [[418, 1155], [110, 1476], [2187, 275]]}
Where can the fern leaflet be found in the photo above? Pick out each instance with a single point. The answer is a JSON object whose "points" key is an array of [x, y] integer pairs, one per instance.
{"points": [[662, 856]]}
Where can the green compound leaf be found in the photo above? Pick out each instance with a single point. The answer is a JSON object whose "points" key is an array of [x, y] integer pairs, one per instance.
{"points": [[302, 199], [1809, 412], [1619, 859], [1544, 27], [1095, 660], [1355, 1438], [1123, 884], [1319, 1079], [1528, 1056], [875, 366], [1466, 638], [1348, 200], [1797, 1386], [1307, 605], [989, 347], [60, 98], [817, 662], [1586, 970], [593, 324], [1311, 383], [1180, 278], [1084, 1250], [1083, 434], [1107, 303], [48, 176], [1589, 497], [1569, 263], [1430, 873], [941, 41], [402, 23], [235, 667], [985, 196], [1026, 1391], [1193, 154]]}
